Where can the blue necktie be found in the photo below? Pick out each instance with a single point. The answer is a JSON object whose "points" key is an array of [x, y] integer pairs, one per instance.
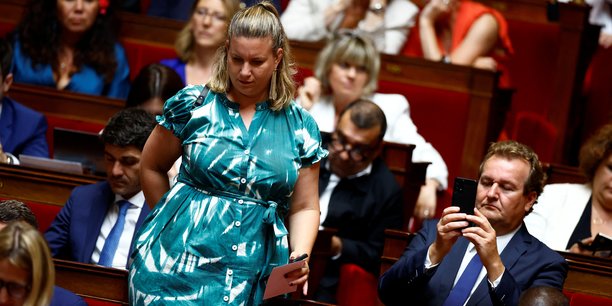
{"points": [[461, 291], [112, 241]]}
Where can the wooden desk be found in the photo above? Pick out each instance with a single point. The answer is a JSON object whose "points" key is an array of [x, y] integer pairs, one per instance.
{"points": [[92, 281], [588, 274], [40, 186], [66, 104]]}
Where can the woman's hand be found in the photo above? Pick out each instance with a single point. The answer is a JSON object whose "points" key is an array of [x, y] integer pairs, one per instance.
{"points": [[577, 248], [299, 277], [434, 9], [310, 92]]}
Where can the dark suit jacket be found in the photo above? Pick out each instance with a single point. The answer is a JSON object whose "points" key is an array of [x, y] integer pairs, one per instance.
{"points": [[75, 230], [22, 130], [63, 297], [361, 209], [528, 263]]}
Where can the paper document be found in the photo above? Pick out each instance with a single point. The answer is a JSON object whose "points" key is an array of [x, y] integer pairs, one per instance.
{"points": [[277, 283]]}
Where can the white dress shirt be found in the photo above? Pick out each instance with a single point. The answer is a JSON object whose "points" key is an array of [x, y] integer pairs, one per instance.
{"points": [[123, 250], [502, 242]]}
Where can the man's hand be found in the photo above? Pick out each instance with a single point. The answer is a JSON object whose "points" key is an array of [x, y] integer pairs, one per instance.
{"points": [[449, 229], [426, 203], [484, 238], [310, 92]]}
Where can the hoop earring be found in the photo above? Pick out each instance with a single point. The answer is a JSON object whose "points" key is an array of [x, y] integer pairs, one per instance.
{"points": [[272, 95]]}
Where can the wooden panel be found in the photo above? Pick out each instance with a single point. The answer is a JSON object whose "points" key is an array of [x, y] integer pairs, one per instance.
{"points": [[100, 283], [34, 185], [66, 104], [563, 174], [588, 274]]}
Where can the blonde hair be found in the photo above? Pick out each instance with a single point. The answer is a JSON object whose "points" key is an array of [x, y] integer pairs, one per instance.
{"points": [[24, 247], [259, 21], [185, 41], [349, 47]]}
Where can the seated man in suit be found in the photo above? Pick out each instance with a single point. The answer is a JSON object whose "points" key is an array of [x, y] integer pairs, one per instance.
{"points": [[359, 195], [11, 211], [22, 130], [504, 259], [97, 223]]}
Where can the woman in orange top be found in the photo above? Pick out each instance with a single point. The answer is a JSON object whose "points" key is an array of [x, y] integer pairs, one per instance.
{"points": [[465, 33]]}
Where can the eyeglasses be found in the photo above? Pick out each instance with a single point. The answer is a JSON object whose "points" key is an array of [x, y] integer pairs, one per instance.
{"points": [[356, 152], [216, 16], [14, 290]]}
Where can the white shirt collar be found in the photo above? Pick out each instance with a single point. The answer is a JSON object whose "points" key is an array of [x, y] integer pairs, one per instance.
{"points": [[137, 200]]}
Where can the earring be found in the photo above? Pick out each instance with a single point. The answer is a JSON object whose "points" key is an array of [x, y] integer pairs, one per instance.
{"points": [[272, 95]]}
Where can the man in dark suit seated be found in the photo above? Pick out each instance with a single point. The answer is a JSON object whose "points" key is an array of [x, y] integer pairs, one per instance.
{"points": [[490, 263], [12, 211], [97, 223], [358, 194], [22, 130]]}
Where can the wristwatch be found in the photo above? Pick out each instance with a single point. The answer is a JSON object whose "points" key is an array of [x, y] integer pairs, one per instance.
{"points": [[377, 8]]}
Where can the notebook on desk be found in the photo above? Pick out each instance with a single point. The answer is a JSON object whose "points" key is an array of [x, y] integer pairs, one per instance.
{"points": [[82, 147], [50, 164]]}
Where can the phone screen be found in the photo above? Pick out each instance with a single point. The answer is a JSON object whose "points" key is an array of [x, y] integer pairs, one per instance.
{"points": [[464, 194]]}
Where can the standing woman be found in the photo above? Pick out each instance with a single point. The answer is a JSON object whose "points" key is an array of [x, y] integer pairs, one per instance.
{"points": [[26, 269], [69, 45], [199, 40], [250, 158]]}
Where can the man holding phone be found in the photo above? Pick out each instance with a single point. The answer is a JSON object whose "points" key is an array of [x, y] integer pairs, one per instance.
{"points": [[490, 263]]}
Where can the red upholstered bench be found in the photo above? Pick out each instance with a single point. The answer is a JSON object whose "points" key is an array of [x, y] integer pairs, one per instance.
{"points": [[581, 299], [6, 27], [140, 54], [44, 213]]}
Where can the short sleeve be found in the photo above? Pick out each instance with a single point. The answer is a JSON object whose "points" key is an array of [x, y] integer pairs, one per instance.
{"points": [[177, 109], [309, 136]]}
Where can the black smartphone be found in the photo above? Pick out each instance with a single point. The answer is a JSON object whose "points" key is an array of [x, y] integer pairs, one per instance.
{"points": [[464, 194], [600, 243]]}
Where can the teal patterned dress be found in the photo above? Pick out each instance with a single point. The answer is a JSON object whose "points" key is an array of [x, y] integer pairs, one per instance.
{"points": [[215, 236]]}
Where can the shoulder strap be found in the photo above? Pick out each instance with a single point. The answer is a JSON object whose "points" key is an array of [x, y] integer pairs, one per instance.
{"points": [[201, 97]]}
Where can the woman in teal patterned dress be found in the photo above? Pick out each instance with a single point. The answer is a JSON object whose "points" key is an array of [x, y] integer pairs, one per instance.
{"points": [[250, 158]]}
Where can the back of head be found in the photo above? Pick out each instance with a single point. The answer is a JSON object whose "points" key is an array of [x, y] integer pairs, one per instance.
{"points": [[153, 81], [13, 210], [6, 57], [25, 248], [129, 127], [543, 296], [259, 21], [365, 114], [353, 48], [514, 150], [597, 148]]}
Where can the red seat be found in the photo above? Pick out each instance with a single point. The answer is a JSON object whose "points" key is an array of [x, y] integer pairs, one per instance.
{"points": [[140, 54], [582, 299], [357, 286], [537, 132]]}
